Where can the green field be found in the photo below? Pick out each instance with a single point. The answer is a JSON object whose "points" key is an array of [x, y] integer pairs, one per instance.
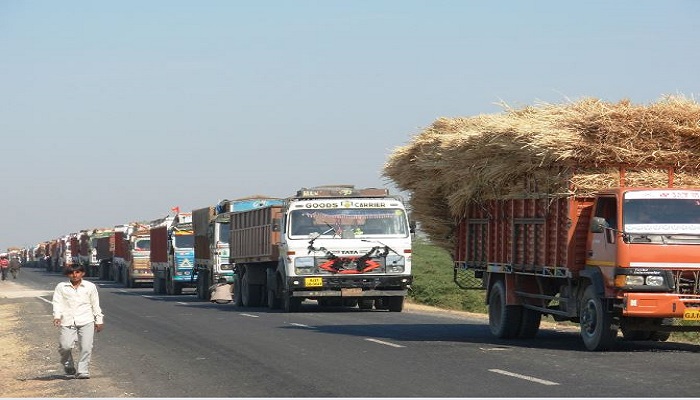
{"points": [[433, 285], [433, 282]]}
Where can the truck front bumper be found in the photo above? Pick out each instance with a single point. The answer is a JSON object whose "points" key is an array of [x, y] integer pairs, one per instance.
{"points": [[349, 286], [661, 305]]}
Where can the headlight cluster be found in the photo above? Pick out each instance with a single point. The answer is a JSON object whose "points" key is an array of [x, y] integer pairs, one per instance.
{"points": [[304, 265], [640, 280], [395, 263]]}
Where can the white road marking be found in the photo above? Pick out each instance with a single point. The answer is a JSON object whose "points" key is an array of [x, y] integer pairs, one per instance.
{"points": [[526, 377], [122, 291], [183, 303], [43, 299], [383, 342], [250, 315], [299, 325]]}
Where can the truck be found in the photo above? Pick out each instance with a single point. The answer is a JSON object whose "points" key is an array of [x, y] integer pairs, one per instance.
{"points": [[211, 227], [588, 212], [172, 254], [111, 250], [624, 258], [96, 252], [336, 244], [137, 268]]}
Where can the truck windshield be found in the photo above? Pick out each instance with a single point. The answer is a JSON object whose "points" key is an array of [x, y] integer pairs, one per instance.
{"points": [[349, 222], [183, 241], [224, 233], [662, 215], [142, 244]]}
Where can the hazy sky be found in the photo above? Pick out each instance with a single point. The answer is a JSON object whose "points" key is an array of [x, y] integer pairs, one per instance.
{"points": [[116, 111]]}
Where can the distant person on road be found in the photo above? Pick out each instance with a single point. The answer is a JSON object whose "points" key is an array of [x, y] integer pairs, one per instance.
{"points": [[14, 266], [4, 266], [77, 312], [221, 292]]}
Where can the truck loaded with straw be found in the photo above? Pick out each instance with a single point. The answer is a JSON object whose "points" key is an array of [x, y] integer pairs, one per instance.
{"points": [[587, 211]]}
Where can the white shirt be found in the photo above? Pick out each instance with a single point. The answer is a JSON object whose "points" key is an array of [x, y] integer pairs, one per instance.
{"points": [[77, 306]]}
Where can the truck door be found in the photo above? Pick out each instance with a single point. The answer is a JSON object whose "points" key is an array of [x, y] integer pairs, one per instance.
{"points": [[602, 250]]}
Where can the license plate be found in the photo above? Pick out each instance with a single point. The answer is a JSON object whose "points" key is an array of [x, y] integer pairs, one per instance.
{"points": [[313, 282], [691, 315], [350, 291]]}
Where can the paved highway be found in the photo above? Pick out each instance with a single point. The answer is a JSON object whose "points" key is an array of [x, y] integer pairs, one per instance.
{"points": [[179, 346]]}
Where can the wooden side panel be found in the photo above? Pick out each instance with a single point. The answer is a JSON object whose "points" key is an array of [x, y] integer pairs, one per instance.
{"points": [[159, 244], [255, 235], [525, 234]]}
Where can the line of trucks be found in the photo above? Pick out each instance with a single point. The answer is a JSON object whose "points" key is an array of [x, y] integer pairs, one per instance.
{"points": [[337, 244]]}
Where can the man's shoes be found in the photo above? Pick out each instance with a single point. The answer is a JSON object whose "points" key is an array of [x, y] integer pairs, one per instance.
{"points": [[70, 370], [82, 376]]}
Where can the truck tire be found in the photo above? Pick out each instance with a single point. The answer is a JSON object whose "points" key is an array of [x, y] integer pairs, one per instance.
{"points": [[529, 324], [504, 320], [274, 288], [291, 304], [250, 293], [597, 329], [394, 303], [172, 287], [237, 298], [365, 304]]}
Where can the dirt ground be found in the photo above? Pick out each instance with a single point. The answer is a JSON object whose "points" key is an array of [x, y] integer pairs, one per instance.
{"points": [[29, 366]]}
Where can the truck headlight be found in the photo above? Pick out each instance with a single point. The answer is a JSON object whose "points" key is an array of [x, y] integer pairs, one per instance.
{"points": [[634, 280], [395, 263], [655, 280], [304, 265]]}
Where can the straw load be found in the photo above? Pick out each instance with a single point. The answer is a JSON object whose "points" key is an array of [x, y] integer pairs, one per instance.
{"points": [[544, 150]]}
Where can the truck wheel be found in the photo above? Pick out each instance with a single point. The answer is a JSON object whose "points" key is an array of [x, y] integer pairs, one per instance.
{"points": [[161, 286], [291, 304], [394, 303], [177, 288], [350, 302], [530, 323], [250, 294], [659, 336], [597, 329], [504, 320], [170, 285], [237, 298], [273, 300], [365, 304]]}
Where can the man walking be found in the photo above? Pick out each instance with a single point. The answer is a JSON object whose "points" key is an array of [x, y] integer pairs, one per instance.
{"points": [[14, 265], [77, 312]]}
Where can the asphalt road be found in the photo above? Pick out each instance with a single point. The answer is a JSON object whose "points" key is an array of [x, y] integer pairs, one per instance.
{"points": [[179, 346]]}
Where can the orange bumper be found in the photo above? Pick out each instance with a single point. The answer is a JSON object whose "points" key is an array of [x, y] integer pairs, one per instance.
{"points": [[660, 305]]}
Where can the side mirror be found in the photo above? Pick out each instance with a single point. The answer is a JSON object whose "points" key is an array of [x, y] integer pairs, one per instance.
{"points": [[599, 224], [412, 226]]}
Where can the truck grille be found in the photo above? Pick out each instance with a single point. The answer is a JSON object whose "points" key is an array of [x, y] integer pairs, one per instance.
{"points": [[350, 265], [687, 282]]}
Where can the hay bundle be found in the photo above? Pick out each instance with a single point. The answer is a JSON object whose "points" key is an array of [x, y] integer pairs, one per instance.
{"points": [[546, 149]]}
